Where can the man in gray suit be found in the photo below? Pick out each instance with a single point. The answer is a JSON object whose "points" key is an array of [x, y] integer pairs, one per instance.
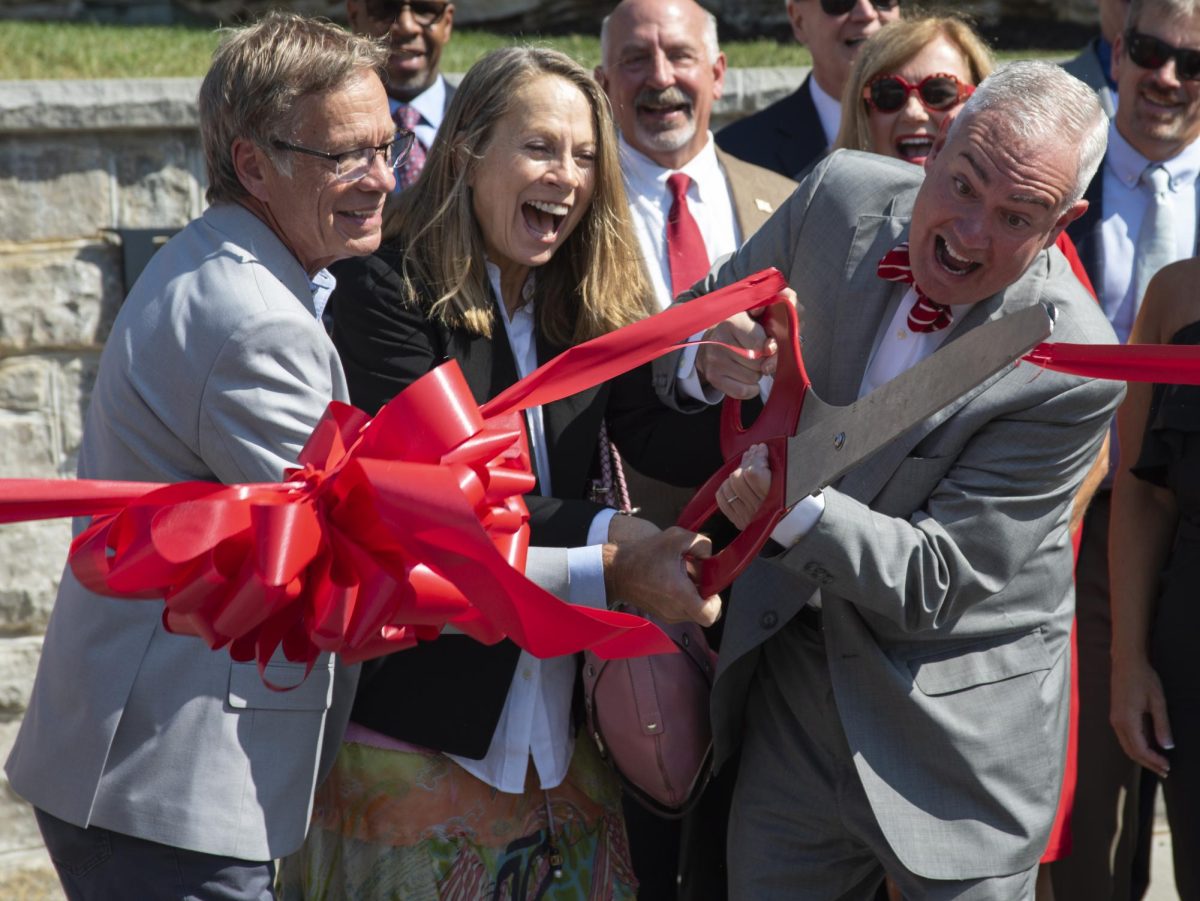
{"points": [[896, 667], [159, 769]]}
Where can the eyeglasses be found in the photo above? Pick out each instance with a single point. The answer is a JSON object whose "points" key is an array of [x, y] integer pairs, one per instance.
{"points": [[353, 165], [1148, 52], [841, 7], [424, 12], [888, 93]]}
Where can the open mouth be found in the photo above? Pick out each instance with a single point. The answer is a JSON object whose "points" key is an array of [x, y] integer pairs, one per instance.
{"points": [[544, 218], [362, 218], [914, 148], [952, 262]]}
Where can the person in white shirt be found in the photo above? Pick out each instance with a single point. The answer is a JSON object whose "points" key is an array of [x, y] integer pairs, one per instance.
{"points": [[692, 205], [793, 133], [1131, 229]]}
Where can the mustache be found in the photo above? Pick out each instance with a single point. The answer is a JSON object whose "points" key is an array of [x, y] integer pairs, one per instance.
{"points": [[672, 96]]}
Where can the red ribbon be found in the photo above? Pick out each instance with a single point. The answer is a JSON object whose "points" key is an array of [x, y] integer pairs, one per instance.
{"points": [[388, 529], [1171, 364]]}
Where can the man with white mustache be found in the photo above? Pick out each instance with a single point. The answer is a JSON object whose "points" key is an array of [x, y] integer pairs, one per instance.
{"points": [[691, 204], [1154, 135]]}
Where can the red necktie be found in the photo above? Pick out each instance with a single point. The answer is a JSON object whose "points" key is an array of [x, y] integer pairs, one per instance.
{"points": [[406, 173], [926, 315], [686, 253]]}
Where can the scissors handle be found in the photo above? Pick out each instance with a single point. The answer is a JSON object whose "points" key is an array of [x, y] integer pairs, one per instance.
{"points": [[781, 413], [714, 573]]}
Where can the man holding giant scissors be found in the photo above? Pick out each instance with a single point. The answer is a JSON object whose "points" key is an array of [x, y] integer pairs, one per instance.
{"points": [[896, 668]]}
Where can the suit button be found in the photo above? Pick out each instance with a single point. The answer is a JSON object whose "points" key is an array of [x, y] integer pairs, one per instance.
{"points": [[818, 573], [769, 619]]}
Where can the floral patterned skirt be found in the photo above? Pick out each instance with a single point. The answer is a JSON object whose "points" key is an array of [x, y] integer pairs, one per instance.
{"points": [[413, 825]]}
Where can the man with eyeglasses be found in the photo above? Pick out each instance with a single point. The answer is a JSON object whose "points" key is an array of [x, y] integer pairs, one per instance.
{"points": [[1142, 215], [416, 32], [791, 134], [159, 769]]}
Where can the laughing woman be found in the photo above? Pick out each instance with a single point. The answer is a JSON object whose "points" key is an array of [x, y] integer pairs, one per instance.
{"points": [[461, 776]]}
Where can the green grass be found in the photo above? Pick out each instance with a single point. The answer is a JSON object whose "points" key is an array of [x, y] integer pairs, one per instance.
{"points": [[70, 50], [73, 50]]}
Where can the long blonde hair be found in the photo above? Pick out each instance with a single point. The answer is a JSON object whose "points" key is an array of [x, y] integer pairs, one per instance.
{"points": [[889, 49], [593, 284]]}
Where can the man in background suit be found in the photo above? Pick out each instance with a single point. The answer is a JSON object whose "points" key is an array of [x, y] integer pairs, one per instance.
{"points": [[417, 31], [896, 667], [1093, 64], [692, 204], [159, 769], [1155, 133], [791, 134]]}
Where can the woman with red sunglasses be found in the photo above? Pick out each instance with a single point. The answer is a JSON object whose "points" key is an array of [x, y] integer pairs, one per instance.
{"points": [[908, 78]]}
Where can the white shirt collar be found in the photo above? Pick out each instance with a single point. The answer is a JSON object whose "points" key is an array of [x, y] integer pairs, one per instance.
{"points": [[829, 110], [430, 103], [1127, 164], [647, 178]]}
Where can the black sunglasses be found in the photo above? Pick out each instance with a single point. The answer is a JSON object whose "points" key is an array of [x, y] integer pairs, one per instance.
{"points": [[424, 12], [1149, 52], [888, 93], [841, 7]]}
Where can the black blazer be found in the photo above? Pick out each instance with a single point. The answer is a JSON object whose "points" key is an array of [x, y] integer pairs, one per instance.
{"points": [[786, 137], [1085, 231], [449, 694]]}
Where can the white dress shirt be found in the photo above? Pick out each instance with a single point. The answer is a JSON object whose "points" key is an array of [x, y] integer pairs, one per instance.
{"points": [[709, 201], [431, 104], [1124, 205], [536, 719], [829, 111]]}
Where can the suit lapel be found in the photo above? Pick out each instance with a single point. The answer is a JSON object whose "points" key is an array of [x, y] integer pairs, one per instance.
{"points": [[803, 137], [570, 430], [1085, 231], [859, 307]]}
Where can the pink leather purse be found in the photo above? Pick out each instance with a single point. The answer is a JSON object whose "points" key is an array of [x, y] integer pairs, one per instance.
{"points": [[649, 717]]}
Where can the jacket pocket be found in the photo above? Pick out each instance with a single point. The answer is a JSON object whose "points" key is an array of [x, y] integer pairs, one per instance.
{"points": [[248, 690], [980, 664]]}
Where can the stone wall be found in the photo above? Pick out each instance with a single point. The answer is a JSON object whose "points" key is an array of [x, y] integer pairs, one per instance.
{"points": [[80, 162]]}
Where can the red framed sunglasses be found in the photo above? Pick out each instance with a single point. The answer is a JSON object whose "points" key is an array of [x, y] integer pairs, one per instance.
{"points": [[937, 92]]}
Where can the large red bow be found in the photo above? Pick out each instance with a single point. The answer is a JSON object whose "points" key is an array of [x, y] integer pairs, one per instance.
{"points": [[388, 530]]}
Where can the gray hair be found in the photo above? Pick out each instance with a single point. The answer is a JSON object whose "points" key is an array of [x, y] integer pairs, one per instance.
{"points": [[1040, 105], [1168, 8], [709, 37], [259, 75]]}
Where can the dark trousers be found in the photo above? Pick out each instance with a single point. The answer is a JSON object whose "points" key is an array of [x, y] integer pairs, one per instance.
{"points": [[97, 864], [1110, 823]]}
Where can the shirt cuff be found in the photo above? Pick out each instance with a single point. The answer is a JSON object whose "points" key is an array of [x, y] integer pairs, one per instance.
{"points": [[585, 568], [687, 379], [799, 520]]}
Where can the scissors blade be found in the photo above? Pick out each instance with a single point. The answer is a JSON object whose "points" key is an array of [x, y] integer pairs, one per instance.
{"points": [[830, 441]]}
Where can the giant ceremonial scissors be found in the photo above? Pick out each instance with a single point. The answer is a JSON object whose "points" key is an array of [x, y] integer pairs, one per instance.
{"points": [[811, 443]]}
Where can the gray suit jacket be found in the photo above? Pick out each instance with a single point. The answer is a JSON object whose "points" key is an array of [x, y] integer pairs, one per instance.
{"points": [[943, 563], [216, 369], [1086, 67]]}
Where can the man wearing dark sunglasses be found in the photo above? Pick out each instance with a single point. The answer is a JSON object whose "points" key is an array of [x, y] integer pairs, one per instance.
{"points": [[1142, 214], [792, 133], [417, 31]]}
